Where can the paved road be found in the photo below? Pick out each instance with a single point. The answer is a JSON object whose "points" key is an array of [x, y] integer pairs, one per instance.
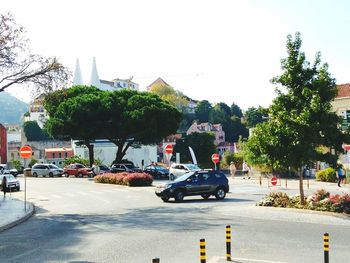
{"points": [[80, 221]]}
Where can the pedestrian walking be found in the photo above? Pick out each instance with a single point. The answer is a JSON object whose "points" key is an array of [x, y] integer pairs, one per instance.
{"points": [[4, 185], [245, 170], [340, 175], [233, 169]]}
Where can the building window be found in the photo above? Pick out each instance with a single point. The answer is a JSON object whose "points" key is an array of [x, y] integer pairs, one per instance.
{"points": [[33, 153], [65, 155], [53, 155], [59, 155]]}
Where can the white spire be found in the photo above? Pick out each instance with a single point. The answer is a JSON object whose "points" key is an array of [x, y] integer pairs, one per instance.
{"points": [[94, 80], [77, 80]]}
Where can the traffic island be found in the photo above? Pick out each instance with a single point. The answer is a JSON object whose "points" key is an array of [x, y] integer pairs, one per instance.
{"points": [[12, 212]]}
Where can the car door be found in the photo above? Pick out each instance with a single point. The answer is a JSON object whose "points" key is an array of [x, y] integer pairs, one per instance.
{"points": [[193, 184]]}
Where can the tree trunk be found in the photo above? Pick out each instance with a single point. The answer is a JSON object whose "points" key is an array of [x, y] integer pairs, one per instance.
{"points": [[301, 186], [91, 152], [121, 151]]}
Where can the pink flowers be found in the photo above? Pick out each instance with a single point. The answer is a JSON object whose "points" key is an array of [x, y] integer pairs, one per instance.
{"points": [[124, 178]]}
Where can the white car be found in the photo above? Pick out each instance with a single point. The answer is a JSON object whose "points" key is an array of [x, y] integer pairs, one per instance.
{"points": [[178, 169]]}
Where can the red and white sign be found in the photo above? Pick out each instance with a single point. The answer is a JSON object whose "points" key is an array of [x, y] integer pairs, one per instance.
{"points": [[25, 152], [346, 146], [215, 158], [273, 180], [169, 149]]}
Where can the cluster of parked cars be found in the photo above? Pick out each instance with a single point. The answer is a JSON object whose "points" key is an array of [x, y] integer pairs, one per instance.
{"points": [[5, 170]]}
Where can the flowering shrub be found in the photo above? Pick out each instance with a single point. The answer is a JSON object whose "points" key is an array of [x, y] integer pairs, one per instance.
{"points": [[320, 200], [124, 178], [327, 175]]}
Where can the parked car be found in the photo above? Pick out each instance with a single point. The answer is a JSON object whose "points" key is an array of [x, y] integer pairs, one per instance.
{"points": [[78, 170], [178, 169], [43, 169], [12, 182], [125, 167], [204, 183], [100, 169], [157, 171], [12, 171]]}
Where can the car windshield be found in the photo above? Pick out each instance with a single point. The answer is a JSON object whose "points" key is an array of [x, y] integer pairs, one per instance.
{"points": [[104, 167], [129, 165], [162, 168], [52, 166], [80, 166], [183, 177], [192, 166], [8, 176]]}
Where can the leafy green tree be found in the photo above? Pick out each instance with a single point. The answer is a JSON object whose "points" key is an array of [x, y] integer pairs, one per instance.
{"points": [[301, 115], [33, 131], [253, 116], [203, 110], [236, 111], [223, 106], [174, 97], [202, 145], [78, 113], [78, 159], [139, 118]]}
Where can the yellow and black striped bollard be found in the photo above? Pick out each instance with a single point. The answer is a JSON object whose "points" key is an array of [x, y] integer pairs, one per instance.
{"points": [[202, 250], [228, 243], [326, 247]]}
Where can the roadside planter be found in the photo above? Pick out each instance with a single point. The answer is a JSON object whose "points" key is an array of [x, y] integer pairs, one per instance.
{"points": [[127, 179]]}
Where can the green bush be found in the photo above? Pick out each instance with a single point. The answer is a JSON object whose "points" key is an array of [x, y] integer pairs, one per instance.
{"points": [[78, 159], [327, 175], [236, 158]]}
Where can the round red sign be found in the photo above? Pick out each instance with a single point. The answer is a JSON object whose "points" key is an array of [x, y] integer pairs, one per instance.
{"points": [[273, 180], [169, 149], [215, 158], [25, 152]]}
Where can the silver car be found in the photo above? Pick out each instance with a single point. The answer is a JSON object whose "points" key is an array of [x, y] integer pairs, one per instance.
{"points": [[49, 170], [12, 182], [178, 169]]}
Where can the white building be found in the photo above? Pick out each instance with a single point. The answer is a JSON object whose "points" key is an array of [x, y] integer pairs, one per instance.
{"points": [[115, 84], [37, 112], [106, 151]]}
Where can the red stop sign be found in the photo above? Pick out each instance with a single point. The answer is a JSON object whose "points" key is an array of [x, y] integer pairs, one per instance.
{"points": [[25, 152], [169, 149], [274, 180], [215, 158]]}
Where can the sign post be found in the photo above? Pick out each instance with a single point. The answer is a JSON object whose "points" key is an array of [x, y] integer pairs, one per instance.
{"points": [[169, 152], [215, 159], [25, 152]]}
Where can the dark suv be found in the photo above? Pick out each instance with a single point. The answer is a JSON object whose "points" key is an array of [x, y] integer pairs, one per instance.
{"points": [[204, 183]]}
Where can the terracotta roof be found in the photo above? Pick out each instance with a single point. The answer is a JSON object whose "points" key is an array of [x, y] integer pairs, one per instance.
{"points": [[343, 90], [158, 81]]}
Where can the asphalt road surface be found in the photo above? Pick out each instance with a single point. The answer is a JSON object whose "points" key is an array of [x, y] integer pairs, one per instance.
{"points": [[77, 220]]}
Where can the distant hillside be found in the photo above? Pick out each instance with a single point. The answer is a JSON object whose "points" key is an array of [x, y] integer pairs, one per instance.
{"points": [[11, 109]]}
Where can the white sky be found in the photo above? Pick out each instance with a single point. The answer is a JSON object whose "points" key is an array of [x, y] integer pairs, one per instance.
{"points": [[221, 51]]}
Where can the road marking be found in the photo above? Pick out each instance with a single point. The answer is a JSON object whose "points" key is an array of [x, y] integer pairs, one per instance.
{"points": [[243, 260]]}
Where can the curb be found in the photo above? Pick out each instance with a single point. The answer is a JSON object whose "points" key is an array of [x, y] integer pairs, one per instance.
{"points": [[30, 212]]}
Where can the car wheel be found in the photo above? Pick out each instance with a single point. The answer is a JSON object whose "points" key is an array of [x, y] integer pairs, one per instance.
{"points": [[205, 196], [50, 174], [80, 175], [165, 199], [172, 177], [179, 196], [220, 193], [91, 175], [35, 174], [66, 174]]}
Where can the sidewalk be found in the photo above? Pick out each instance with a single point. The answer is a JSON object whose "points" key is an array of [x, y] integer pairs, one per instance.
{"points": [[12, 211]]}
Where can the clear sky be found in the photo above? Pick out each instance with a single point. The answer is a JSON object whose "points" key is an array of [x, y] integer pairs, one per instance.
{"points": [[221, 51]]}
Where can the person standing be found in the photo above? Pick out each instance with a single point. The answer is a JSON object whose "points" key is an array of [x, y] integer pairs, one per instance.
{"points": [[232, 169], [245, 170], [4, 185]]}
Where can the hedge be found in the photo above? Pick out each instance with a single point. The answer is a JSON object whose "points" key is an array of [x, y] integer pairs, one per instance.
{"points": [[124, 178]]}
